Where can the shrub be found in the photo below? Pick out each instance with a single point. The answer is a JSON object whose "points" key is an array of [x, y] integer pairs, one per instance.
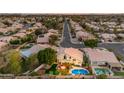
{"points": [[91, 43]]}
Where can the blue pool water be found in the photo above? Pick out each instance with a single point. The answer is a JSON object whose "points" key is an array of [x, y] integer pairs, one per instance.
{"points": [[80, 71], [100, 71]]}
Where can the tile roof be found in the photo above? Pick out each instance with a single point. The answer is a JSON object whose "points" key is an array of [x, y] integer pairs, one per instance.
{"points": [[101, 55], [74, 53], [33, 50]]}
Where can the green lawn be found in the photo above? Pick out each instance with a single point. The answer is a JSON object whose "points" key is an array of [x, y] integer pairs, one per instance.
{"points": [[119, 73]]}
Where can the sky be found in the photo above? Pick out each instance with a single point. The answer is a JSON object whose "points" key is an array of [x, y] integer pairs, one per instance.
{"points": [[61, 6]]}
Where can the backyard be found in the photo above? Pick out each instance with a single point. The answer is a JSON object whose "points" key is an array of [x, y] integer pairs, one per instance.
{"points": [[119, 74], [52, 70]]}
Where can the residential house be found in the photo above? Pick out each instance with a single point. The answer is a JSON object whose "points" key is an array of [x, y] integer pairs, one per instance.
{"points": [[96, 28], [84, 35], [19, 35], [109, 24], [25, 31], [2, 25], [78, 28], [17, 25], [70, 55], [121, 35], [3, 30], [38, 24], [122, 25], [102, 57], [53, 31], [33, 50], [108, 37], [42, 40], [3, 46], [7, 39]]}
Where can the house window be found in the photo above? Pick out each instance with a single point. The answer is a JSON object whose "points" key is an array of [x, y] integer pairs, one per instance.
{"points": [[65, 57], [123, 68], [95, 63]]}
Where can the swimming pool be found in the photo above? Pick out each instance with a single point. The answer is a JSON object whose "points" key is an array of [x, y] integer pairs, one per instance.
{"points": [[100, 71], [80, 72]]}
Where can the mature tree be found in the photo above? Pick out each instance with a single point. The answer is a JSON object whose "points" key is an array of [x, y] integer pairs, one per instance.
{"points": [[14, 60], [51, 23], [83, 25], [30, 63], [91, 43], [47, 56], [86, 63], [53, 39], [38, 32], [27, 38], [15, 42], [33, 62]]}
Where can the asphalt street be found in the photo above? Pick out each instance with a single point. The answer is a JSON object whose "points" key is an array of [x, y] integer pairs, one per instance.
{"points": [[66, 42]]}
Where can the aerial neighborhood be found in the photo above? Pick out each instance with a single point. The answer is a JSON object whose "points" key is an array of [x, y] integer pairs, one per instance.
{"points": [[62, 46]]}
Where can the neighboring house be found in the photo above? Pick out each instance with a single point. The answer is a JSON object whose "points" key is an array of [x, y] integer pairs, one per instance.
{"points": [[109, 24], [3, 46], [26, 32], [70, 55], [23, 31], [119, 29], [12, 29], [2, 25], [7, 39], [7, 29], [84, 35], [73, 23], [33, 50], [122, 25], [102, 57], [19, 35], [53, 31], [108, 37], [17, 25], [96, 28], [38, 24], [121, 35], [78, 28], [3, 30], [49, 34], [42, 40]]}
